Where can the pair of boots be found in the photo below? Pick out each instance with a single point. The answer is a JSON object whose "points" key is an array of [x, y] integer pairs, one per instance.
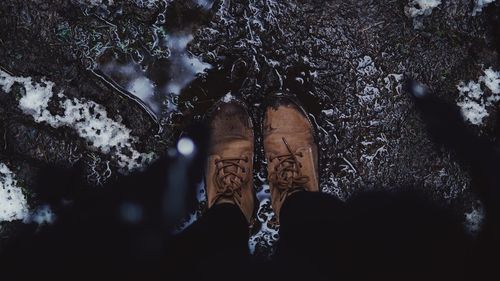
{"points": [[289, 145]]}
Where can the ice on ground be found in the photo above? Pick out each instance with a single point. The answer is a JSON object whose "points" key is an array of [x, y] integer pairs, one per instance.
{"points": [[480, 5], [137, 83], [418, 8], [13, 204], [185, 65], [89, 119], [143, 88], [473, 101]]}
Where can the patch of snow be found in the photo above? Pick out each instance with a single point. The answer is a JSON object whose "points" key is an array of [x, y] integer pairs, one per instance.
{"points": [[480, 5], [228, 98], [473, 111], [472, 99], [492, 80], [417, 9], [13, 204], [89, 119]]}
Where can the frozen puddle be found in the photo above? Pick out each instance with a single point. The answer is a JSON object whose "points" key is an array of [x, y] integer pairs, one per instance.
{"points": [[158, 82], [134, 79], [89, 119], [184, 66]]}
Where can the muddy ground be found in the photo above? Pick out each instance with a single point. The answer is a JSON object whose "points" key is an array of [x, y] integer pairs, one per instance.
{"points": [[345, 60]]}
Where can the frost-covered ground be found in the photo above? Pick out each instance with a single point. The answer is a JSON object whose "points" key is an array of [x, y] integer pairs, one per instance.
{"points": [[113, 83]]}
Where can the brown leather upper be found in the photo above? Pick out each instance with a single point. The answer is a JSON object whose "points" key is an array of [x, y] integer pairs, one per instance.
{"points": [[291, 152], [230, 163]]}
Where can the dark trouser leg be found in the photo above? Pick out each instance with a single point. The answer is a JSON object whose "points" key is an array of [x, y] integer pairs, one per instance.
{"points": [[215, 246], [307, 233], [378, 236]]}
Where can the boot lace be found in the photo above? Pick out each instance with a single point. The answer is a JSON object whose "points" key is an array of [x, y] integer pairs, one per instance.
{"points": [[287, 175], [229, 178]]}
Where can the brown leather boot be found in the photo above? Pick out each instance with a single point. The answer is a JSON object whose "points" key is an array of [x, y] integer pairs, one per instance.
{"points": [[229, 175], [290, 150]]}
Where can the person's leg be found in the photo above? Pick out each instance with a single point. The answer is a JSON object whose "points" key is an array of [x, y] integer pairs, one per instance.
{"points": [[373, 235], [217, 245], [292, 157], [310, 236], [376, 235]]}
